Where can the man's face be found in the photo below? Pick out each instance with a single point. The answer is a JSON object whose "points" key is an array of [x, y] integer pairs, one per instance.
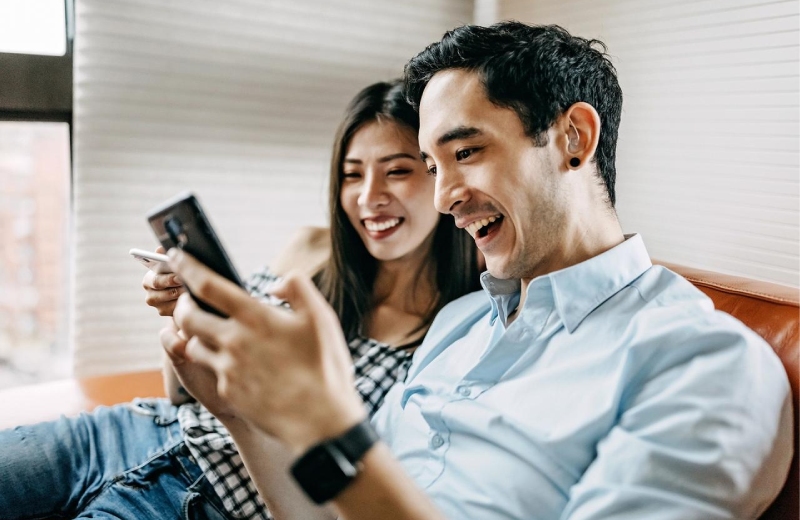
{"points": [[504, 190]]}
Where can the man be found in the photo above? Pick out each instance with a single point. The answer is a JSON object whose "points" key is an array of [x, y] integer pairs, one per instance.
{"points": [[583, 383]]}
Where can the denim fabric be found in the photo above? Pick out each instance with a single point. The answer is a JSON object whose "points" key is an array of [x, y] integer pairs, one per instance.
{"points": [[128, 461]]}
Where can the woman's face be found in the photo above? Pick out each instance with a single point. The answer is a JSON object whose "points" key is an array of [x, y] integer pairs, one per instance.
{"points": [[387, 192]]}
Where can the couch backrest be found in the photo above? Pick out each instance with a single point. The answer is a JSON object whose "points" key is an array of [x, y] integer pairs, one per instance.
{"points": [[773, 312]]}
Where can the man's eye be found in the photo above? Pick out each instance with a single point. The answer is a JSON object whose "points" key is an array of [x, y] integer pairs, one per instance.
{"points": [[464, 154], [432, 170]]}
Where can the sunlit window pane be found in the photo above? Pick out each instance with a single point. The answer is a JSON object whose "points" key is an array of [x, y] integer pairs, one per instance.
{"points": [[34, 220], [33, 27]]}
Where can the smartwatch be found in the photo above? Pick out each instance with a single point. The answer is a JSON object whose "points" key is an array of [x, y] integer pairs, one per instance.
{"points": [[327, 469]]}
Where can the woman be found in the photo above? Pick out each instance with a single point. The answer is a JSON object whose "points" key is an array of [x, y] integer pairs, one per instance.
{"points": [[393, 263]]}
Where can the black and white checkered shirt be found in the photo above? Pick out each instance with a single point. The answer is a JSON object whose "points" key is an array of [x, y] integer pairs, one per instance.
{"points": [[377, 367]]}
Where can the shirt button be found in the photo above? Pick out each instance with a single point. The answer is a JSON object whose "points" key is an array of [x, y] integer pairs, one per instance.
{"points": [[464, 390], [437, 441]]}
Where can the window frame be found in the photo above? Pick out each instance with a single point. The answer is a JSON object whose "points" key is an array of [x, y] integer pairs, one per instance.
{"points": [[38, 87]]}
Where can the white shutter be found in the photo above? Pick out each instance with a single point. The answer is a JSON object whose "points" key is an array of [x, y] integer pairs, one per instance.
{"points": [[707, 162], [236, 100]]}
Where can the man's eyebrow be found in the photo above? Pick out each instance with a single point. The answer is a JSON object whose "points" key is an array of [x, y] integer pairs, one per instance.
{"points": [[459, 132], [400, 155]]}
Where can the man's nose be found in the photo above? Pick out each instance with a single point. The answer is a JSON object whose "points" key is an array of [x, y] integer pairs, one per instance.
{"points": [[450, 191]]}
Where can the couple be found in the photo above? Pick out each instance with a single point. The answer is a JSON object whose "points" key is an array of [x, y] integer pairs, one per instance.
{"points": [[582, 382]]}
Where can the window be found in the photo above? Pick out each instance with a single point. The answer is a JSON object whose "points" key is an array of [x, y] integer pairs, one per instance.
{"points": [[35, 120], [33, 27]]}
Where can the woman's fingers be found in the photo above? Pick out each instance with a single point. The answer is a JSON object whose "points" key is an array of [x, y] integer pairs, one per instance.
{"points": [[162, 290], [162, 300], [159, 282], [156, 298]]}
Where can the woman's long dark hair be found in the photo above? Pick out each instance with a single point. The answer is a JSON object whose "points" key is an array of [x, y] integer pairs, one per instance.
{"points": [[347, 280]]}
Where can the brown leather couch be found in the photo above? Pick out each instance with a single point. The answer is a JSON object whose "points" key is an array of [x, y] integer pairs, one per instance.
{"points": [[771, 310]]}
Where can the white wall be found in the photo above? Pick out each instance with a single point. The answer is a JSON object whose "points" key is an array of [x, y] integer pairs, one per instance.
{"points": [[238, 101], [708, 150]]}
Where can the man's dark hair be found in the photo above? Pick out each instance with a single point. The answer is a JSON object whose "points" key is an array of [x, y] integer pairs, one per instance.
{"points": [[539, 71]]}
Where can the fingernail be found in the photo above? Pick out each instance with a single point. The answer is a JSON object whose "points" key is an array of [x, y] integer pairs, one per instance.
{"points": [[175, 280], [173, 253]]}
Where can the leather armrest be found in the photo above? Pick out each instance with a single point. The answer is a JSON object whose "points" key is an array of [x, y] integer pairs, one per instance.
{"points": [[47, 401]]}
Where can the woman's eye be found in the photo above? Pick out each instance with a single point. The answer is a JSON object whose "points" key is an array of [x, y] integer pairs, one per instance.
{"points": [[432, 170], [351, 175], [464, 154], [399, 171]]}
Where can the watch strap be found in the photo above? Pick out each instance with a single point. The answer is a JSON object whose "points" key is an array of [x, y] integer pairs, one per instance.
{"points": [[327, 468], [355, 442]]}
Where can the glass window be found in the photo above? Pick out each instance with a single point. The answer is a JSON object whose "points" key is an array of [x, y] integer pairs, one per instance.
{"points": [[34, 221], [33, 27]]}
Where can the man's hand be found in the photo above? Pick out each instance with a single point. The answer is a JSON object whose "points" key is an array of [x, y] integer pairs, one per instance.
{"points": [[199, 381], [287, 372], [162, 290]]}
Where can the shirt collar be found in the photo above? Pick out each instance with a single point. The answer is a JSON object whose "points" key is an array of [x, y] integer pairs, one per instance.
{"points": [[503, 294], [578, 289]]}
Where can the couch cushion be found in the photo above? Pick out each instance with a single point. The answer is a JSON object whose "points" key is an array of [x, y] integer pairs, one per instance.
{"points": [[773, 312]]}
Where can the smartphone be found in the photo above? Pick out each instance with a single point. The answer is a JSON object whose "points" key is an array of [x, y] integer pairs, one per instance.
{"points": [[181, 222], [156, 262]]}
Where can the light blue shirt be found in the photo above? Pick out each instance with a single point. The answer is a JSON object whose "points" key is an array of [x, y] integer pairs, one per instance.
{"points": [[618, 392]]}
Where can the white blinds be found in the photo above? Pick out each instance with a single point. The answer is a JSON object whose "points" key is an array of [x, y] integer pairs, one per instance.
{"points": [[708, 151], [236, 100]]}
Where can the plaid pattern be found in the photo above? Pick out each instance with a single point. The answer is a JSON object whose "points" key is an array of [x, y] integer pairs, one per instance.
{"points": [[377, 366], [214, 451]]}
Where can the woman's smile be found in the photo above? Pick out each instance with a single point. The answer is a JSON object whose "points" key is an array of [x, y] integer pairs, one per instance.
{"points": [[379, 228]]}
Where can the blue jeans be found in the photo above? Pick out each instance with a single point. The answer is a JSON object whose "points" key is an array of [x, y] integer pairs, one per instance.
{"points": [[127, 461]]}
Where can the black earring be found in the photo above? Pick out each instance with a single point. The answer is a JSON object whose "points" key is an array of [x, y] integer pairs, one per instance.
{"points": [[574, 162]]}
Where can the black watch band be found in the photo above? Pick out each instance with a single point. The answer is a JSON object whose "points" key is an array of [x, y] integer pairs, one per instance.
{"points": [[327, 468]]}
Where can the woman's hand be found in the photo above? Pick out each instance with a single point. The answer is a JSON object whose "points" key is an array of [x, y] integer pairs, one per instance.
{"points": [[287, 372], [162, 290], [197, 380]]}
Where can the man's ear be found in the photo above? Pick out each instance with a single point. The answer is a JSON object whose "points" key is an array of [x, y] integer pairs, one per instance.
{"points": [[580, 129]]}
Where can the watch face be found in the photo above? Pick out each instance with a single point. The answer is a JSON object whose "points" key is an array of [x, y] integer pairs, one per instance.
{"points": [[326, 469], [323, 472]]}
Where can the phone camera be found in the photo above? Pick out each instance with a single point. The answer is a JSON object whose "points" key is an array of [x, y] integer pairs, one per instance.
{"points": [[174, 229]]}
